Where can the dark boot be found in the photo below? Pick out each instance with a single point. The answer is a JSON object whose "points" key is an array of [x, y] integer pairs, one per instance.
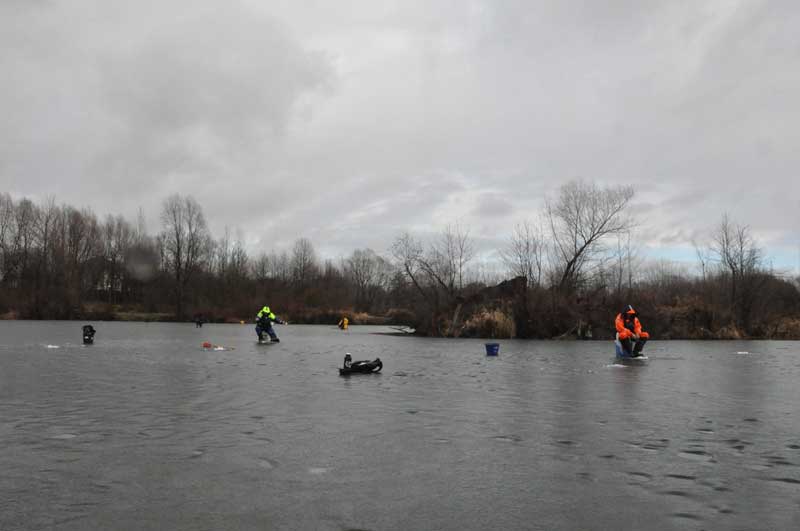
{"points": [[637, 349]]}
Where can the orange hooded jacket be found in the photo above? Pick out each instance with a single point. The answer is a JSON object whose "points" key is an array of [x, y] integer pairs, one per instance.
{"points": [[625, 333]]}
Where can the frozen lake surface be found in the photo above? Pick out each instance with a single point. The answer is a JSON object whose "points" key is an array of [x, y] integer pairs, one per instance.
{"points": [[146, 430]]}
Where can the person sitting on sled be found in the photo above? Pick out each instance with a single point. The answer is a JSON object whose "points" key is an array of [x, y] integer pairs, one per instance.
{"points": [[629, 332], [264, 320]]}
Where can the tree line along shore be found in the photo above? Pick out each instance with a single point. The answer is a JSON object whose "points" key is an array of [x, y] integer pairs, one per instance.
{"points": [[563, 273]]}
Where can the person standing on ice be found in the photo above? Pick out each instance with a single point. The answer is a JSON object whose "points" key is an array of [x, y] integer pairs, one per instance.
{"points": [[264, 320]]}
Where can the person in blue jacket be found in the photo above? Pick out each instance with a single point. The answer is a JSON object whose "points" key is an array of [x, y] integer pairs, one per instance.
{"points": [[264, 320]]}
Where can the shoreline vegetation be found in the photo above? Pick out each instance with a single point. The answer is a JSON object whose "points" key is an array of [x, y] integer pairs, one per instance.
{"points": [[484, 323], [564, 275]]}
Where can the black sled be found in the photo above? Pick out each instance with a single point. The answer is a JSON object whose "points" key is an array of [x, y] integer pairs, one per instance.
{"points": [[360, 367]]}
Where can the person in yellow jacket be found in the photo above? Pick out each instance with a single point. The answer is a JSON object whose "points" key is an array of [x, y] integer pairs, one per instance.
{"points": [[264, 320], [629, 331], [344, 322]]}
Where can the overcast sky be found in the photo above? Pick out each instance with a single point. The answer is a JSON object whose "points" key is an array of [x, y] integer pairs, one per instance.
{"points": [[348, 122]]}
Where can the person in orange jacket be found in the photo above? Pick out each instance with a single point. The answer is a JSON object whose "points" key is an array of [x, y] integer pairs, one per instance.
{"points": [[629, 331]]}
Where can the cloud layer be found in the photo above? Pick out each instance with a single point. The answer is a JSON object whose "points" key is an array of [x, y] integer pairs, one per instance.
{"points": [[349, 122]]}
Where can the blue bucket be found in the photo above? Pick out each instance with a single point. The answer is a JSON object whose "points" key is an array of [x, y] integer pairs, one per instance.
{"points": [[492, 349]]}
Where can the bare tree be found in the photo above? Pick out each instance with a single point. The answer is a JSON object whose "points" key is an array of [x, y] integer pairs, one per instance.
{"points": [[304, 262], [231, 262], [663, 275], [45, 230], [46, 235], [360, 268], [186, 242], [407, 251], [24, 240], [118, 237], [82, 244], [580, 218], [626, 261], [437, 274], [443, 266], [369, 273], [222, 250], [7, 230], [487, 272], [282, 266], [451, 255], [523, 257], [239, 262], [260, 267], [741, 258], [272, 266], [703, 256]]}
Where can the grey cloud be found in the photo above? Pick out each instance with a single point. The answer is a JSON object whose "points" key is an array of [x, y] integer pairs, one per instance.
{"points": [[493, 205], [349, 122], [171, 99]]}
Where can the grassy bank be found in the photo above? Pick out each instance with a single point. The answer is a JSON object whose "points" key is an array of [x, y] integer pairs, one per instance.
{"points": [[99, 311], [663, 322]]}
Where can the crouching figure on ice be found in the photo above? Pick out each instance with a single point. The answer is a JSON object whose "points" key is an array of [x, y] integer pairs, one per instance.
{"points": [[630, 336]]}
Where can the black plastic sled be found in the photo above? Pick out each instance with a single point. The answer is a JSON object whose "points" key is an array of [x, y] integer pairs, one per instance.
{"points": [[360, 367], [88, 334]]}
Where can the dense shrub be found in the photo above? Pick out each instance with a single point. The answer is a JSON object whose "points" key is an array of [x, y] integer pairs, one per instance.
{"points": [[495, 324]]}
